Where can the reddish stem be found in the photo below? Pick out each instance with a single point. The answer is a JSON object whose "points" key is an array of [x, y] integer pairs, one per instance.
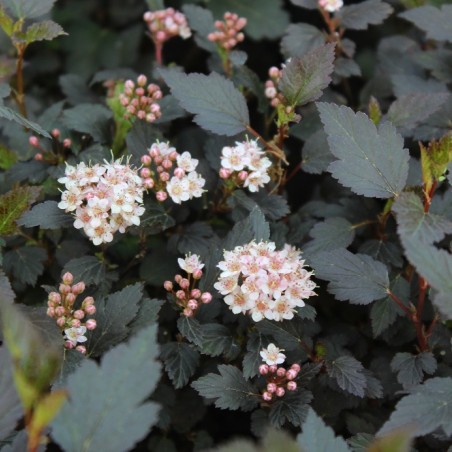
{"points": [[400, 304], [158, 52]]}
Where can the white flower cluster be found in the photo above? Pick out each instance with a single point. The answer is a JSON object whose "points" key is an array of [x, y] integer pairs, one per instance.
{"points": [[331, 5], [245, 163], [183, 184], [263, 282], [105, 198]]}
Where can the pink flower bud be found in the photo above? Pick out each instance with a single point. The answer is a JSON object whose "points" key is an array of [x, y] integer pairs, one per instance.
{"points": [[146, 159], [75, 323], [158, 159], [55, 133], [192, 304], [195, 293], [173, 156], [242, 175], [271, 388], [164, 177], [179, 172], [68, 278], [81, 349], [39, 156], [149, 183], [161, 196], [87, 302], [167, 163], [148, 16], [263, 369], [267, 396], [129, 84], [273, 368], [55, 297], [150, 117], [225, 173], [51, 312], [33, 141], [67, 143], [79, 314], [90, 324], [70, 298], [184, 283], [160, 36], [64, 289], [291, 374], [188, 312], [280, 392], [142, 80], [154, 151], [145, 172], [69, 345], [178, 278], [59, 311], [281, 372], [141, 114], [206, 297], [273, 72], [291, 386], [197, 273], [90, 309], [180, 294], [61, 322], [168, 285], [160, 168], [78, 288], [296, 367]]}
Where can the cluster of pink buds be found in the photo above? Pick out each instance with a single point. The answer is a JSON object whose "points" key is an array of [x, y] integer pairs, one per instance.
{"points": [[42, 153], [271, 86], [228, 33], [61, 306], [279, 379], [165, 24], [167, 172], [331, 5], [245, 165], [188, 296], [140, 100]]}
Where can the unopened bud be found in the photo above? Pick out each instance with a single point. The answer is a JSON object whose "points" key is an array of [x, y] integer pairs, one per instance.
{"points": [[192, 304], [263, 369], [78, 288], [81, 349], [67, 143], [87, 302], [145, 172], [280, 392], [75, 323], [51, 312], [64, 289], [90, 309], [296, 367], [59, 311], [180, 294], [61, 322], [242, 175], [69, 345], [178, 278], [55, 133], [146, 159], [179, 173], [55, 297], [168, 285], [39, 157], [291, 386], [281, 372], [90, 324], [197, 273], [271, 388], [188, 312], [195, 293], [206, 297], [78, 314], [33, 141], [161, 196], [225, 173], [68, 278], [267, 396], [291, 374], [184, 283], [70, 298], [273, 368]]}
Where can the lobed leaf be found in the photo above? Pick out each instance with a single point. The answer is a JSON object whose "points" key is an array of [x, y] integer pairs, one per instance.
{"points": [[300, 39], [349, 374], [25, 263], [229, 389], [8, 113], [28, 9], [354, 277], [304, 78], [46, 215], [411, 368], [291, 408], [191, 329], [371, 162], [217, 104], [361, 15], [88, 269], [180, 362], [6, 292], [39, 31], [216, 339], [108, 401]]}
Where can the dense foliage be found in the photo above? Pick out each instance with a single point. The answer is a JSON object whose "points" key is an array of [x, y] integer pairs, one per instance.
{"points": [[224, 219]]}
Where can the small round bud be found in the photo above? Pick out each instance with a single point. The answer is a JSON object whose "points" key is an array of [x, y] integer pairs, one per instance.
{"points": [[67, 143], [87, 302], [281, 372], [180, 294], [78, 288], [51, 312], [195, 293], [197, 273], [273, 72], [188, 312], [273, 368], [167, 164], [146, 159], [55, 297], [78, 314], [149, 183], [39, 157], [280, 392], [291, 374], [75, 323], [161, 196], [225, 173], [64, 289], [184, 283], [192, 304], [296, 367], [33, 141], [242, 175], [291, 386], [179, 173], [91, 324], [70, 298], [164, 177], [178, 278], [271, 388], [61, 322], [59, 311], [90, 309], [145, 172], [69, 345], [267, 396], [168, 285], [81, 349], [55, 133], [206, 297], [68, 278], [263, 369], [142, 80]]}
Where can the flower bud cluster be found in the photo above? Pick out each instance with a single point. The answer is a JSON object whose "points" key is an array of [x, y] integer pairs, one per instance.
{"points": [[245, 164], [104, 198], [228, 33], [165, 24], [74, 322], [42, 153], [140, 99], [279, 379], [188, 296], [258, 280], [271, 86], [331, 5], [167, 172]]}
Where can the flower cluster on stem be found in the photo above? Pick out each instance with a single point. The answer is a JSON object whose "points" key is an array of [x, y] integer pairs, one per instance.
{"points": [[104, 198], [245, 164], [228, 31], [169, 173], [279, 379], [74, 322], [188, 297], [258, 280], [140, 99]]}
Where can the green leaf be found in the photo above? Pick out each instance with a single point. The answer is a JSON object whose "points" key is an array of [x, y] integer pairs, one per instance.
{"points": [[191, 329], [46, 215], [6, 292], [416, 225], [6, 23], [25, 263], [372, 162], [318, 437], [349, 374], [28, 9], [427, 408], [147, 314], [316, 155], [217, 104], [411, 368], [361, 15], [113, 314], [39, 31], [405, 113], [155, 218], [88, 269], [8, 113], [92, 119], [288, 334], [216, 339], [252, 359], [229, 389], [7, 158], [304, 78], [300, 39], [10, 407], [13, 204], [433, 21], [333, 233], [201, 21], [354, 277], [140, 138], [108, 400], [180, 362], [292, 408]]}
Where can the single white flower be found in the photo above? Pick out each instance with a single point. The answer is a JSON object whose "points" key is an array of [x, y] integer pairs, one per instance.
{"points": [[272, 355], [191, 263], [75, 335]]}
